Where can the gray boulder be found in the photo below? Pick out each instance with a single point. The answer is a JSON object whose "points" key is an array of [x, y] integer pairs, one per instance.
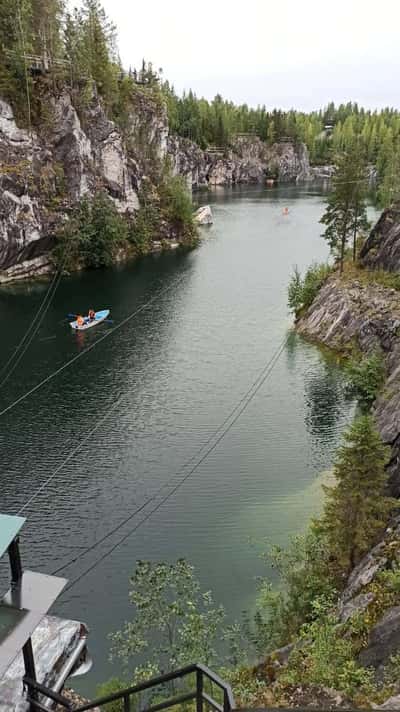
{"points": [[204, 216], [356, 605], [393, 703], [384, 641]]}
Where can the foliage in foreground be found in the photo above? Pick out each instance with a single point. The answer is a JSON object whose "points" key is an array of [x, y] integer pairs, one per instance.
{"points": [[314, 568], [176, 204], [366, 376], [303, 290], [325, 656], [357, 509], [365, 276], [175, 623], [108, 688], [304, 574]]}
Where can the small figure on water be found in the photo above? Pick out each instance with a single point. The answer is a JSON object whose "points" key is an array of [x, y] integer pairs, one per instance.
{"points": [[285, 211], [91, 314], [80, 320]]}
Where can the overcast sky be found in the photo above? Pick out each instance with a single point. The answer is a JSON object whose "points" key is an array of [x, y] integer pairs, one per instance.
{"points": [[284, 53]]}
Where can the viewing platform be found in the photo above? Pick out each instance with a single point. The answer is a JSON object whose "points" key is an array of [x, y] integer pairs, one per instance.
{"points": [[33, 645]]}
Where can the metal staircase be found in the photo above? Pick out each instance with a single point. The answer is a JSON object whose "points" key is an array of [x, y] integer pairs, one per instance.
{"points": [[199, 687]]}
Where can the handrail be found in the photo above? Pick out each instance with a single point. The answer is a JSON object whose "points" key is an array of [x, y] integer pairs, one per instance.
{"points": [[34, 687], [197, 694]]}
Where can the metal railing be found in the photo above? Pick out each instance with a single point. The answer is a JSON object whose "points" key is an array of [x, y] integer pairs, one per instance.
{"points": [[198, 694]]}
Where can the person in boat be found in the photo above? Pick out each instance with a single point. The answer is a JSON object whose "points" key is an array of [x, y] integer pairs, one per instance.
{"points": [[80, 320], [91, 314]]}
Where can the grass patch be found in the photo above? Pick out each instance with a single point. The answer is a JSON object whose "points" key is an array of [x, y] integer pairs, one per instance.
{"points": [[303, 290], [366, 277]]}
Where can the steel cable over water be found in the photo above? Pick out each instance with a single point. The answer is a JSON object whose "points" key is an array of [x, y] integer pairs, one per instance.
{"points": [[229, 421], [48, 297], [54, 284], [103, 418], [109, 333], [256, 384], [69, 456]]}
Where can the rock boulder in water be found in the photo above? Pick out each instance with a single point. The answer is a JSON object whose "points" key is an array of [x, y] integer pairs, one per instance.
{"points": [[204, 216]]}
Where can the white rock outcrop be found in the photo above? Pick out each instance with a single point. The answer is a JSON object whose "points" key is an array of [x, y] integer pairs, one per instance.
{"points": [[247, 161], [204, 216]]}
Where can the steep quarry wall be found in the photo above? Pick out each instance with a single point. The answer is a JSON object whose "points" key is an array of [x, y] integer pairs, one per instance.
{"points": [[361, 312], [382, 248], [248, 161], [349, 312], [44, 173]]}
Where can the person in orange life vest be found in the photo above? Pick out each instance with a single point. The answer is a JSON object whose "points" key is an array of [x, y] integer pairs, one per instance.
{"points": [[80, 320]]}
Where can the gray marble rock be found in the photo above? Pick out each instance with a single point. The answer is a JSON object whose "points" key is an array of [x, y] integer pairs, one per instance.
{"points": [[204, 216], [393, 703], [382, 248], [349, 312], [384, 641], [54, 640], [45, 174], [354, 606], [247, 161]]}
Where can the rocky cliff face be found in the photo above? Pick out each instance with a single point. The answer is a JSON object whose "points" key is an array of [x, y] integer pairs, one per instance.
{"points": [[365, 593], [382, 248], [349, 312], [346, 313], [248, 161], [44, 173]]}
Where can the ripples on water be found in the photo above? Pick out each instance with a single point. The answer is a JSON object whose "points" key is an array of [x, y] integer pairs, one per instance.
{"points": [[181, 366]]}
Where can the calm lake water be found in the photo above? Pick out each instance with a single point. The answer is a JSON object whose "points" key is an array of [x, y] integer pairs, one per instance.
{"points": [[181, 365]]}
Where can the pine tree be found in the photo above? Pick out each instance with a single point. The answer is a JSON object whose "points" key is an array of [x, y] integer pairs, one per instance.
{"points": [[389, 188], [99, 48], [271, 132], [359, 189], [357, 508], [46, 18], [15, 44], [346, 210]]}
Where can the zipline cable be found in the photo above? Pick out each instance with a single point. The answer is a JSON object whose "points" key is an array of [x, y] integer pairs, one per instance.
{"points": [[33, 334], [239, 194], [69, 456], [48, 297], [272, 364], [31, 326], [169, 482], [72, 360]]}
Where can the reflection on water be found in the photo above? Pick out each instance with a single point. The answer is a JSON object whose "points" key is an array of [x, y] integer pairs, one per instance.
{"points": [[326, 397], [325, 401], [182, 364]]}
